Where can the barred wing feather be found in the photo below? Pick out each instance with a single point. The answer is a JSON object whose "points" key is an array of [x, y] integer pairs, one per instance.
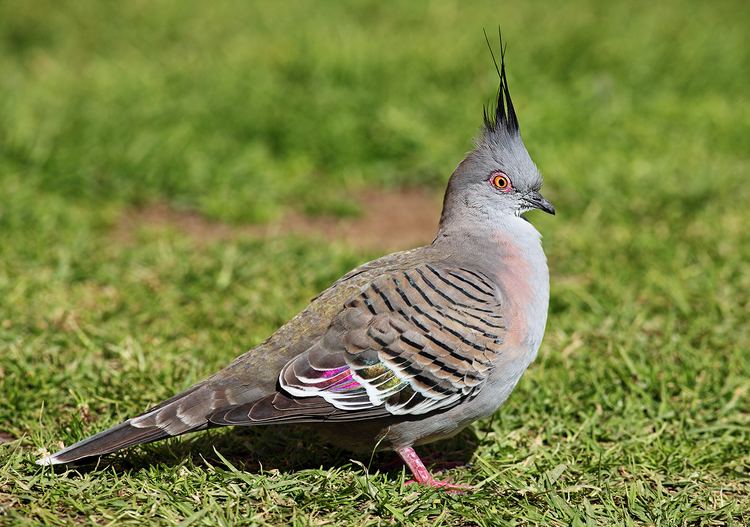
{"points": [[411, 342]]}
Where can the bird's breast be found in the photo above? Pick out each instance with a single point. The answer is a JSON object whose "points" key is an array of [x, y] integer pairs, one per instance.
{"points": [[523, 278]]}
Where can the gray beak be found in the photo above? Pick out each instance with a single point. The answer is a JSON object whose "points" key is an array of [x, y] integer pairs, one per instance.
{"points": [[536, 200]]}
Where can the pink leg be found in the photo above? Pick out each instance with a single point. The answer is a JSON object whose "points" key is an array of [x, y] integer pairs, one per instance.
{"points": [[422, 476]]}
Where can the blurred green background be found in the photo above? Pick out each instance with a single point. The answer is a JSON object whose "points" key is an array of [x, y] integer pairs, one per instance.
{"points": [[638, 114]]}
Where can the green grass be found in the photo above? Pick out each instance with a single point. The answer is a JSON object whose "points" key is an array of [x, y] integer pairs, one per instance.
{"points": [[637, 411]]}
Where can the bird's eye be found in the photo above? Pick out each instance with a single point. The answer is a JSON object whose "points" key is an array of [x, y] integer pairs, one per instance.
{"points": [[500, 181]]}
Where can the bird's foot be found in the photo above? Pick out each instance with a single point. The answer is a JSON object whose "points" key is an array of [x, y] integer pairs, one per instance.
{"points": [[422, 476]]}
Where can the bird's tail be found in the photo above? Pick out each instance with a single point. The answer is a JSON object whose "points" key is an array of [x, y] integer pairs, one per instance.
{"points": [[186, 412]]}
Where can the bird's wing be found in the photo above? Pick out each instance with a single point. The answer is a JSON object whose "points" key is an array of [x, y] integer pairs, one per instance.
{"points": [[412, 341]]}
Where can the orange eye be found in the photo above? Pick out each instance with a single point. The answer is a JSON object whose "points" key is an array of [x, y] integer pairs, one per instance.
{"points": [[500, 181]]}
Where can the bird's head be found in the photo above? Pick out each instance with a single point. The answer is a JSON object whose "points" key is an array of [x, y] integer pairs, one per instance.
{"points": [[497, 178]]}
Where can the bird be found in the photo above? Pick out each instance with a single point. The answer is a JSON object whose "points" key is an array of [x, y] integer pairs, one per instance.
{"points": [[406, 349]]}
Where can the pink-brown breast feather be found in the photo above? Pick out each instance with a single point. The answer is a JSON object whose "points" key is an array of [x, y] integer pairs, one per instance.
{"points": [[514, 278]]}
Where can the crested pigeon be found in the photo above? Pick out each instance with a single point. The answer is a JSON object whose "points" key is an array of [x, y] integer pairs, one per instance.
{"points": [[406, 349]]}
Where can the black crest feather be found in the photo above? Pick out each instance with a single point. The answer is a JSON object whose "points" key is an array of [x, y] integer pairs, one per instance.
{"points": [[504, 116]]}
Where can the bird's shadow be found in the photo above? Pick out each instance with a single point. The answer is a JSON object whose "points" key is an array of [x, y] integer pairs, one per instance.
{"points": [[283, 448]]}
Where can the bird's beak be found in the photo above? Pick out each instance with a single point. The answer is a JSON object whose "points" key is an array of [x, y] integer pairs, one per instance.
{"points": [[536, 200]]}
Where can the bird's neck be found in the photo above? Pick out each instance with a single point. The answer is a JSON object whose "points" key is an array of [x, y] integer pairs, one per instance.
{"points": [[483, 232]]}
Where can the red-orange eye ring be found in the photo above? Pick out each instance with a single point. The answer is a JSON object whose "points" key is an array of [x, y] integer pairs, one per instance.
{"points": [[500, 181]]}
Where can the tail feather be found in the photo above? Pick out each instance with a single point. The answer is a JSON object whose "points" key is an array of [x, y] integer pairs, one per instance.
{"points": [[186, 412], [112, 440]]}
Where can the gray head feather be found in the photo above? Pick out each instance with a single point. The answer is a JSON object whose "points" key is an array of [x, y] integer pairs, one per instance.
{"points": [[499, 150]]}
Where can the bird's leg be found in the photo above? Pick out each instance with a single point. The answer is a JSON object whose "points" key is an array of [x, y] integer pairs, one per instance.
{"points": [[422, 476]]}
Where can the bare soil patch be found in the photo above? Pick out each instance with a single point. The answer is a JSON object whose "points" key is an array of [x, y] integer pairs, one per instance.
{"points": [[390, 220]]}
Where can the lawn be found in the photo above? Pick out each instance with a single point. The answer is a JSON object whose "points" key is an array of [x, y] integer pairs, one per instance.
{"points": [[240, 118]]}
